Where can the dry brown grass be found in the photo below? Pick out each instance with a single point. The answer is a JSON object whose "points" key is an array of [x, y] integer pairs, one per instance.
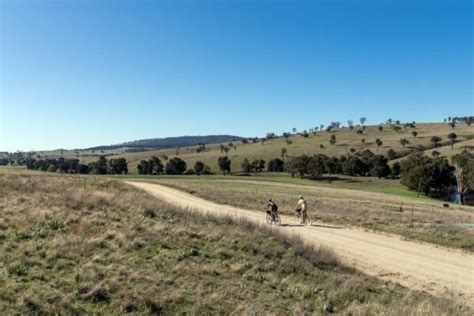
{"points": [[423, 220], [107, 249]]}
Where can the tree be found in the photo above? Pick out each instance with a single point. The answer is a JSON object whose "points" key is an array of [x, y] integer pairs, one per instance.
{"points": [[288, 141], [379, 167], [199, 167], [118, 166], [284, 151], [294, 130], [452, 139], [359, 131], [332, 139], [452, 124], [378, 142], [175, 166], [350, 123], [404, 141], [363, 120], [224, 164], [315, 166], [362, 141], [464, 173], [298, 165], [380, 128], [246, 166], [100, 166], [414, 133], [275, 165], [432, 176], [435, 153], [396, 168], [435, 141], [353, 166]]}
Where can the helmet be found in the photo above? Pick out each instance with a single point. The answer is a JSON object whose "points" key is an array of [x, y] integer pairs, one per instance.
{"points": [[270, 200], [300, 197]]}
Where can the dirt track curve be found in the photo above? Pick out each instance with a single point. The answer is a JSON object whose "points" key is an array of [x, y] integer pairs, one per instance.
{"points": [[415, 265]]}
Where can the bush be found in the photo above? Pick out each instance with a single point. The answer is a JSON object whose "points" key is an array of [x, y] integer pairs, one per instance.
{"points": [[224, 164], [175, 166], [432, 176], [275, 165]]}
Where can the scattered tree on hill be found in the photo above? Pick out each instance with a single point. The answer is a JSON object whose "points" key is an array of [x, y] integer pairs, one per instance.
{"points": [[359, 131], [175, 166], [350, 123], [435, 153], [452, 124], [363, 120], [352, 150], [321, 127], [452, 139], [380, 128], [414, 133], [362, 141], [435, 140], [288, 141], [378, 142], [315, 166], [244, 141], [294, 130], [404, 142], [321, 146], [305, 134], [332, 139], [284, 151]]}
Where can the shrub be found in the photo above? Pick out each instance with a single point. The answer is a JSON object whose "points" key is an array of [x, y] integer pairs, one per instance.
{"points": [[432, 176], [275, 165], [224, 164], [175, 166]]}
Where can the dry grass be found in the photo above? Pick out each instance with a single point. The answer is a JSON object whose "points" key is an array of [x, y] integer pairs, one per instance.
{"points": [[105, 248], [346, 139], [424, 220]]}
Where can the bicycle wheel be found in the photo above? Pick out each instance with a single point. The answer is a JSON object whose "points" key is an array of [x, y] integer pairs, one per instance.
{"points": [[269, 218], [307, 219], [277, 220]]}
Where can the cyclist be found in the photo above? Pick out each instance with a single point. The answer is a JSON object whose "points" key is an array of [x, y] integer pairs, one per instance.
{"points": [[302, 207], [272, 208]]}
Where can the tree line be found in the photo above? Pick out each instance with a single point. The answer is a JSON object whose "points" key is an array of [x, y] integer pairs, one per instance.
{"points": [[62, 165]]}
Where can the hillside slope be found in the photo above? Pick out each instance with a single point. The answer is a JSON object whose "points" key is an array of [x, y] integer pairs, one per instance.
{"points": [[345, 140], [87, 245]]}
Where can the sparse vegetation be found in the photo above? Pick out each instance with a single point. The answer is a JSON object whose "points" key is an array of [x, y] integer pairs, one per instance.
{"points": [[113, 250]]}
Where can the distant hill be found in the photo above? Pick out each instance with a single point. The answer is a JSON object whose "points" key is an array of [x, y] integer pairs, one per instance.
{"points": [[169, 142]]}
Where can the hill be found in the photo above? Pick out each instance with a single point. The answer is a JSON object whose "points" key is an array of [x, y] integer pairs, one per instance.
{"points": [[319, 142], [169, 142]]}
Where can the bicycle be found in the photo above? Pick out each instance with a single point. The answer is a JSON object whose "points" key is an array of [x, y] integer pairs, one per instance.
{"points": [[303, 217], [273, 218]]}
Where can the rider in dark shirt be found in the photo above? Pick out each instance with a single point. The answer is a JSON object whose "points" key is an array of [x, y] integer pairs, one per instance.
{"points": [[272, 208]]}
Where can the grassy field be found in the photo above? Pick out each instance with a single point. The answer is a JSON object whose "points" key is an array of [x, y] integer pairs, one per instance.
{"points": [[381, 205], [70, 246], [346, 139]]}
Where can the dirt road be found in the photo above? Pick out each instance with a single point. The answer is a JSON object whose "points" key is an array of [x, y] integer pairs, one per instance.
{"points": [[418, 266]]}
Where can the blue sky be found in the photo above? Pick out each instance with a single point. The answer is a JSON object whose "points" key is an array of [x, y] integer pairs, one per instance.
{"points": [[83, 73]]}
